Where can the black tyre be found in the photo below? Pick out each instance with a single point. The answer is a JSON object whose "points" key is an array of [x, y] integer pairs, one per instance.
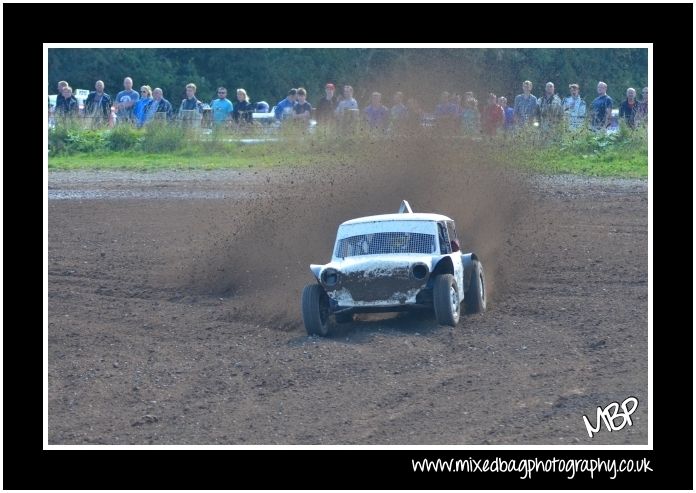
{"points": [[344, 318], [315, 310], [446, 300], [475, 298]]}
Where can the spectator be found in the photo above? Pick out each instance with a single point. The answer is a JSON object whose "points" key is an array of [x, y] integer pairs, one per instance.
{"points": [[550, 108], [347, 103], [98, 105], [525, 105], [629, 107], [191, 108], [456, 101], [125, 101], [66, 104], [221, 108], [284, 108], [302, 109], [347, 110], [508, 112], [493, 116], [327, 104], [158, 108], [139, 108], [399, 111], [376, 114], [471, 117], [601, 108], [61, 85], [447, 108], [243, 110], [414, 115], [575, 108], [642, 112], [447, 113]]}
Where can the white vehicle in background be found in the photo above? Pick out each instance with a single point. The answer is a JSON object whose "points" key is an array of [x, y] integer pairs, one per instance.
{"points": [[613, 121], [52, 99], [81, 96], [394, 262]]}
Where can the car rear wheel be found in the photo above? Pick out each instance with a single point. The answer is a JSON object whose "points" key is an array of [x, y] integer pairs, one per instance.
{"points": [[446, 300], [315, 310], [475, 297]]}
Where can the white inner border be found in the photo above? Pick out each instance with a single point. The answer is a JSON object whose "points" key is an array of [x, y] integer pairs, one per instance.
{"points": [[649, 446]]}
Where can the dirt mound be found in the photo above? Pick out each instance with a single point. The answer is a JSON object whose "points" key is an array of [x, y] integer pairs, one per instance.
{"points": [[260, 254]]}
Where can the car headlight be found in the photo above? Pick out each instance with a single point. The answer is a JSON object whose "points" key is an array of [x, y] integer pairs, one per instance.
{"points": [[329, 277], [420, 271]]}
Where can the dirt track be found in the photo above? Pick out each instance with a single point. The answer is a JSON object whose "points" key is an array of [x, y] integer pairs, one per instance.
{"points": [[174, 313]]}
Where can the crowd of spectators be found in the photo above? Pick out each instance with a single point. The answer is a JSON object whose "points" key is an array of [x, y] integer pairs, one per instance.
{"points": [[453, 112]]}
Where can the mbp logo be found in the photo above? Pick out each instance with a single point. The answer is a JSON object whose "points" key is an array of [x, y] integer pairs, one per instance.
{"points": [[610, 414]]}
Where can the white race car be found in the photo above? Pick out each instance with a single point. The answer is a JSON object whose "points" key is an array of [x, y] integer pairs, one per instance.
{"points": [[394, 262]]}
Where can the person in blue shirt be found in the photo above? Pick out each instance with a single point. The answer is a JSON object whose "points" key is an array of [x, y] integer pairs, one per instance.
{"points": [[526, 105], [575, 108], [125, 101], [376, 114], [509, 114], [139, 109], [158, 106], [601, 108], [222, 108], [284, 108]]}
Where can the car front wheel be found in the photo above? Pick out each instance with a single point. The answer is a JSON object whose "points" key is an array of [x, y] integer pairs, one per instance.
{"points": [[315, 310], [446, 300], [475, 297]]}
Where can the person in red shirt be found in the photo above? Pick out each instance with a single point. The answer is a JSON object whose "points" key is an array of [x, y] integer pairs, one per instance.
{"points": [[492, 116]]}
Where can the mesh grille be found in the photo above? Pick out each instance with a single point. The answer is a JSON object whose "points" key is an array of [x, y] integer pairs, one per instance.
{"points": [[381, 243]]}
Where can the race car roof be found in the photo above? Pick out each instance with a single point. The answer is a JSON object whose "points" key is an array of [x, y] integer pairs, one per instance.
{"points": [[413, 216]]}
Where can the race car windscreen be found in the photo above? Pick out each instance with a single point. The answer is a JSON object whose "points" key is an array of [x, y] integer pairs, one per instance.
{"points": [[385, 243]]}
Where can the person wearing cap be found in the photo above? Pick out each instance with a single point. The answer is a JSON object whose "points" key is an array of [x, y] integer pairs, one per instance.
{"points": [[327, 104]]}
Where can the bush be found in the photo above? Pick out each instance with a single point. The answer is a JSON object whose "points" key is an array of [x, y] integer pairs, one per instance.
{"points": [[70, 138], [87, 141], [56, 139], [124, 137], [163, 137]]}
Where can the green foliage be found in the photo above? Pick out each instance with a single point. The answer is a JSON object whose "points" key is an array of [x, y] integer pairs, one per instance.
{"points": [[623, 153], [70, 139], [56, 139], [124, 137], [163, 137], [159, 146]]}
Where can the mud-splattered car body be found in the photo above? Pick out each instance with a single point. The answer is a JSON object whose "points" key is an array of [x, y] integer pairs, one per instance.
{"points": [[390, 262]]}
